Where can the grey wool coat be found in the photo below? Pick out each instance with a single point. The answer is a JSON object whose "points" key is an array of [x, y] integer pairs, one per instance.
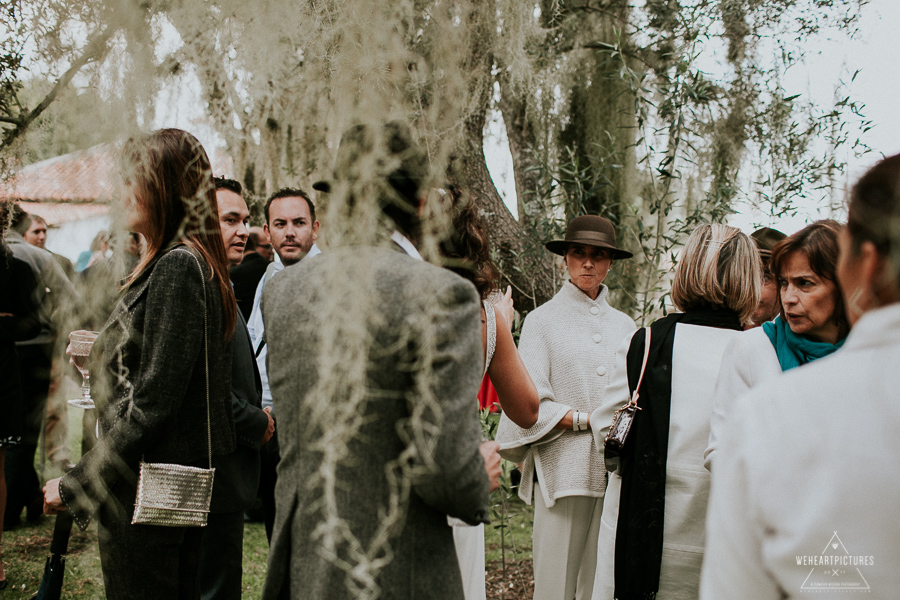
{"points": [[376, 521], [149, 383]]}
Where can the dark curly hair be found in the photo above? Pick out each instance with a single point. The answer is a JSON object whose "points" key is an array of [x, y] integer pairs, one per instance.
{"points": [[467, 251]]}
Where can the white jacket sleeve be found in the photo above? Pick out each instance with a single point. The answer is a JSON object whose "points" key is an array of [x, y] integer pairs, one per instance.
{"points": [[513, 439], [733, 565], [735, 380]]}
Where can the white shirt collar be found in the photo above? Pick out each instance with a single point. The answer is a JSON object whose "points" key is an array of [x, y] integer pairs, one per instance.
{"points": [[407, 246]]}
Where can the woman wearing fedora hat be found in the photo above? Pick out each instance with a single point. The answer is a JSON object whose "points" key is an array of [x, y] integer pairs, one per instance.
{"points": [[568, 346]]}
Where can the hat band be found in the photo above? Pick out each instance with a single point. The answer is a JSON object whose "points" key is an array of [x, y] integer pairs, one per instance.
{"points": [[588, 237]]}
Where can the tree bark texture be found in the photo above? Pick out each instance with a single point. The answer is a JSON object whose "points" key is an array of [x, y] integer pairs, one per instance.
{"points": [[520, 257]]}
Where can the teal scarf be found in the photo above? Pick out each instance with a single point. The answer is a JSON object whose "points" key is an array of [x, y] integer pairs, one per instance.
{"points": [[794, 350]]}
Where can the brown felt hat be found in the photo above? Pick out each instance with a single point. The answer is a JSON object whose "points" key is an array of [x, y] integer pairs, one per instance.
{"points": [[766, 239], [589, 230]]}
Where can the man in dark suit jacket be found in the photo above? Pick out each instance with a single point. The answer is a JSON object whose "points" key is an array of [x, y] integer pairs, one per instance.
{"points": [[245, 276], [374, 383], [237, 474]]}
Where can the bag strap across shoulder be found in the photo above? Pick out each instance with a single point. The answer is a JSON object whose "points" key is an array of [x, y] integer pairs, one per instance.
{"points": [[206, 359], [634, 394]]}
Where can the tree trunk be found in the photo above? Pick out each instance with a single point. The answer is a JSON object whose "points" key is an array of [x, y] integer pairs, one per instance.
{"points": [[522, 261], [523, 147], [600, 128]]}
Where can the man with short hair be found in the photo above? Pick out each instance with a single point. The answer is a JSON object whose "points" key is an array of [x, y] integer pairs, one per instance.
{"points": [[291, 224], [237, 474], [769, 301], [293, 229], [263, 243], [36, 234], [375, 382]]}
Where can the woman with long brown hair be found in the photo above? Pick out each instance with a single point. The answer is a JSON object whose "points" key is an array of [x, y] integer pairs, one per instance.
{"points": [[149, 368]]}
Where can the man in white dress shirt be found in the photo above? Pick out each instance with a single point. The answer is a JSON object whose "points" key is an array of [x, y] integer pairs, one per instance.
{"points": [[293, 229]]}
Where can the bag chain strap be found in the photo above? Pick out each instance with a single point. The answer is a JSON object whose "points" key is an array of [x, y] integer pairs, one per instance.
{"points": [[206, 360]]}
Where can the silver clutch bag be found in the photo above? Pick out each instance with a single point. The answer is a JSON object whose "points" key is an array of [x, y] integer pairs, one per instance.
{"points": [[171, 495]]}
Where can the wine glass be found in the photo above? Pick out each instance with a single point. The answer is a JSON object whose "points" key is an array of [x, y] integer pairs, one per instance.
{"points": [[80, 344]]}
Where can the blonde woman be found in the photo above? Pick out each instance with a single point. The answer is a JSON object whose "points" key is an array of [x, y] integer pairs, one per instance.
{"points": [[651, 529]]}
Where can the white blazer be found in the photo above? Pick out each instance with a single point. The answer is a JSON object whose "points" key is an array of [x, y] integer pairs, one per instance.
{"points": [[696, 357], [806, 490]]}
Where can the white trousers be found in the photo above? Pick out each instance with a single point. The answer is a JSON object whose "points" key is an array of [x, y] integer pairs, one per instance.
{"points": [[469, 542], [565, 546]]}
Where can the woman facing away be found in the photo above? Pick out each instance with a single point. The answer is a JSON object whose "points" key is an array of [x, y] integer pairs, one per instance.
{"points": [[18, 321], [149, 371], [809, 460], [467, 252], [651, 532], [568, 346], [812, 323]]}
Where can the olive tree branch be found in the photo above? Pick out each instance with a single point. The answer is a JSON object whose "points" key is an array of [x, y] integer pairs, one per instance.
{"points": [[95, 49]]}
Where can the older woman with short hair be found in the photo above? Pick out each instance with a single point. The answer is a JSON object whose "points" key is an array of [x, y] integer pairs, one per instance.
{"points": [[651, 531], [812, 323]]}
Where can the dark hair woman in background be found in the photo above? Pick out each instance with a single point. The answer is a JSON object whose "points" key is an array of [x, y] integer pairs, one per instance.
{"points": [[149, 370], [18, 321], [468, 253]]}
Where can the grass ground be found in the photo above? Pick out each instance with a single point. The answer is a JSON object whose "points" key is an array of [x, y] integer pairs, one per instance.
{"points": [[25, 550]]}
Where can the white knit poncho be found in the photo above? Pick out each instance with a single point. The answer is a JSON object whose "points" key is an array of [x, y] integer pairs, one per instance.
{"points": [[569, 348]]}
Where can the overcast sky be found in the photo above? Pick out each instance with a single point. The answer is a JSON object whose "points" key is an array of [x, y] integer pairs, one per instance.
{"points": [[874, 53]]}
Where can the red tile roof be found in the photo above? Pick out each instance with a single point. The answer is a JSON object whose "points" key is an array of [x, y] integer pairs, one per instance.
{"points": [[87, 176]]}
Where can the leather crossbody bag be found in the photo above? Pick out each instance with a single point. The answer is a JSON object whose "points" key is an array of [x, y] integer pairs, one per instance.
{"points": [[624, 419]]}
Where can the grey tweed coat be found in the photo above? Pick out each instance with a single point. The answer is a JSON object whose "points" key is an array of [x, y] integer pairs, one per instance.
{"points": [[423, 339]]}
